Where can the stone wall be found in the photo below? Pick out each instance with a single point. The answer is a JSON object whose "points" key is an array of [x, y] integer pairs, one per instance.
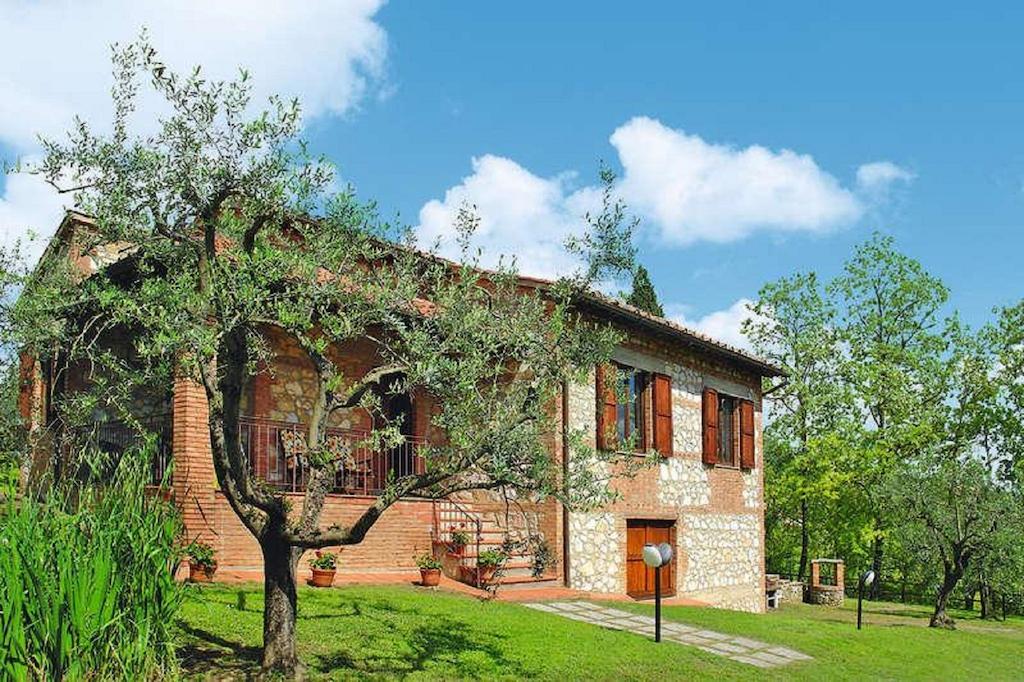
{"points": [[598, 552], [723, 559]]}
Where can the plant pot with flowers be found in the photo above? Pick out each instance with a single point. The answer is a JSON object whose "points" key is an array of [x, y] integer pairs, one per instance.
{"points": [[488, 563], [459, 540], [430, 570], [201, 562], [324, 565]]}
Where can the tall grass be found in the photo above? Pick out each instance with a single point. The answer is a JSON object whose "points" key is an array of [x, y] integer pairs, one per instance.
{"points": [[86, 583]]}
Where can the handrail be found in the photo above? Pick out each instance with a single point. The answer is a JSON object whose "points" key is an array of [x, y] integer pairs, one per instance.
{"points": [[445, 527]]}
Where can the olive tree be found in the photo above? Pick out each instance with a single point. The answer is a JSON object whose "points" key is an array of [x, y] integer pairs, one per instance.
{"points": [[229, 228]]}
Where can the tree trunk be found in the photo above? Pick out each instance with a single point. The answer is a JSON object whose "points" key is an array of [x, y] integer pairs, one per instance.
{"points": [[969, 601], [876, 566], [986, 601], [940, 619], [279, 598], [804, 540], [952, 572]]}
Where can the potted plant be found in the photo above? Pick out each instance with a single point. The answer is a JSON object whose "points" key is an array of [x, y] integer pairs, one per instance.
{"points": [[430, 570], [201, 563], [324, 566], [460, 538], [488, 562]]}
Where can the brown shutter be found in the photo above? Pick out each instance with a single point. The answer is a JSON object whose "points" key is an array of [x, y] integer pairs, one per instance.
{"points": [[663, 414], [746, 434], [606, 406], [710, 426]]}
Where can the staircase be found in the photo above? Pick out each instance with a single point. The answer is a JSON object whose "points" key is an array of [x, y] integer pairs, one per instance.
{"points": [[485, 534]]}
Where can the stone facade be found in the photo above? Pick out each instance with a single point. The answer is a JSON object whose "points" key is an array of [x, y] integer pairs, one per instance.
{"points": [[598, 550], [717, 510], [724, 560]]}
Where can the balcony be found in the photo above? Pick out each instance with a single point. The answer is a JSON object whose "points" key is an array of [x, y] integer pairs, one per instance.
{"points": [[275, 451], [117, 437]]}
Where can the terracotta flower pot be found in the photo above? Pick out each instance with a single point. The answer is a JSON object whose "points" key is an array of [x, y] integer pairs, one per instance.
{"points": [[456, 550], [201, 573], [430, 577], [486, 573], [322, 578]]}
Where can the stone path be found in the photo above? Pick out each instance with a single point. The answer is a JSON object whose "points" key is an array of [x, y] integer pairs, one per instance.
{"points": [[740, 649]]}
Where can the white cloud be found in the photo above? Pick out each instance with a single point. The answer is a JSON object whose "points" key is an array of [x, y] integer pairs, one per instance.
{"points": [[878, 176], [28, 206], [721, 325], [694, 190], [58, 53], [329, 54], [685, 190], [521, 215]]}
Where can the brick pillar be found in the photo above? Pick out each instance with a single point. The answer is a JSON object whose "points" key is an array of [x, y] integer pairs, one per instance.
{"points": [[194, 479], [840, 575], [815, 574], [31, 409]]}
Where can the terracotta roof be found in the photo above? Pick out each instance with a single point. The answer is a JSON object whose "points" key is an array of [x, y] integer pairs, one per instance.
{"points": [[670, 328], [607, 304]]}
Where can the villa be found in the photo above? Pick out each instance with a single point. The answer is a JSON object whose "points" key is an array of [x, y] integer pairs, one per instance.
{"points": [[693, 399]]}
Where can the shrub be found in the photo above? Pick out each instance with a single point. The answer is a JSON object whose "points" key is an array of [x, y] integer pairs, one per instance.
{"points": [[324, 561], [460, 539], [428, 561], [201, 554], [491, 558], [86, 581]]}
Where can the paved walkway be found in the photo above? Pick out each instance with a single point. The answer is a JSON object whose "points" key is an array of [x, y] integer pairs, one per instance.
{"points": [[739, 649]]}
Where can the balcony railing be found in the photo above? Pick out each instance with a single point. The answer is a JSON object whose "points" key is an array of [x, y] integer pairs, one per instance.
{"points": [[117, 437], [276, 456]]}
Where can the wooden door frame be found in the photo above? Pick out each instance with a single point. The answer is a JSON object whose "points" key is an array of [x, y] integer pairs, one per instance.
{"points": [[668, 587]]}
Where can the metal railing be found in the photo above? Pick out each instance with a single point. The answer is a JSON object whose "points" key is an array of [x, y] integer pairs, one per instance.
{"points": [[450, 518], [276, 456], [117, 437]]}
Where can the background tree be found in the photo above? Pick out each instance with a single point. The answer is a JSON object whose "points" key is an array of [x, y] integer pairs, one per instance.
{"points": [[643, 295], [893, 334], [793, 325], [951, 487], [233, 232]]}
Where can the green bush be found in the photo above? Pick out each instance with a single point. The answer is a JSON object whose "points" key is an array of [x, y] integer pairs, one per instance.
{"points": [[86, 581], [201, 554]]}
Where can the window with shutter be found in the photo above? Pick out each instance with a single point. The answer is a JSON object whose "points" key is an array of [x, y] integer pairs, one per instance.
{"points": [[662, 400], [622, 405], [710, 426], [746, 434]]}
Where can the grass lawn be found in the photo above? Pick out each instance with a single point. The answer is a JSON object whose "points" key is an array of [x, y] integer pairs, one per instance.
{"points": [[387, 632]]}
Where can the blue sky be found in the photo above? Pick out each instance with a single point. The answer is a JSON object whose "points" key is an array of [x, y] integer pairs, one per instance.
{"points": [[704, 96]]}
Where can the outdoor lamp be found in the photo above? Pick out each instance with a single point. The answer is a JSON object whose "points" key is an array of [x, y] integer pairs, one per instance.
{"points": [[866, 579], [657, 556]]}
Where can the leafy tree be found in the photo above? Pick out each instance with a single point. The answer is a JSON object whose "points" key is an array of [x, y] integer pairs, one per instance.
{"points": [[643, 295], [793, 325], [232, 231], [1007, 337], [951, 489], [895, 341]]}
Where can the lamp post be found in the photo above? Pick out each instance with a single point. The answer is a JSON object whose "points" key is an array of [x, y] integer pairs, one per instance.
{"points": [[657, 556], [866, 579]]}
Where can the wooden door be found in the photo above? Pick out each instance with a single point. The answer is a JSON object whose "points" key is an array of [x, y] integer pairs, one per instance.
{"points": [[640, 578]]}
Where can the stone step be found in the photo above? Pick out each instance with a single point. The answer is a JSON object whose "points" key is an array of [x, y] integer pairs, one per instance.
{"points": [[528, 582]]}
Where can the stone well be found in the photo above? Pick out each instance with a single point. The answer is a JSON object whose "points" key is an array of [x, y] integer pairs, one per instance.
{"points": [[826, 587]]}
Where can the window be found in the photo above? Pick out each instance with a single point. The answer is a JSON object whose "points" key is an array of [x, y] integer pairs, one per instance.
{"points": [[728, 430], [634, 406], [629, 408]]}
